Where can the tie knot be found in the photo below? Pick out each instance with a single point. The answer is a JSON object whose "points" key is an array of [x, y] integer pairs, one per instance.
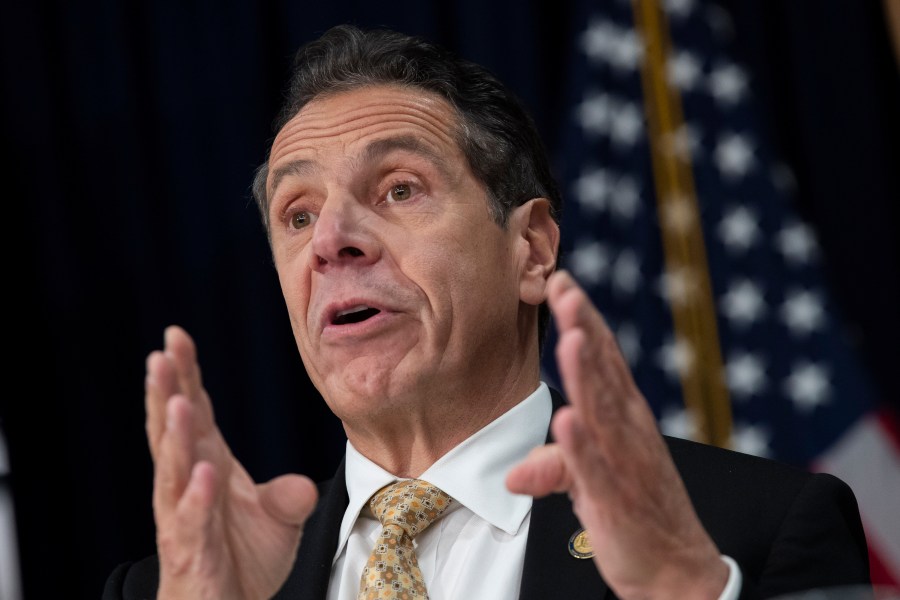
{"points": [[413, 505]]}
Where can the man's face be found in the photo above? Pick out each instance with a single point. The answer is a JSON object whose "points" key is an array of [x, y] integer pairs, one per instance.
{"points": [[401, 289]]}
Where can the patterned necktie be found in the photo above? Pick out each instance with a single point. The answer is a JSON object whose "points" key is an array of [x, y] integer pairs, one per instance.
{"points": [[405, 509]]}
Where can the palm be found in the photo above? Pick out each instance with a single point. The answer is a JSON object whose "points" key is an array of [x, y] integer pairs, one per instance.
{"points": [[219, 534], [612, 461]]}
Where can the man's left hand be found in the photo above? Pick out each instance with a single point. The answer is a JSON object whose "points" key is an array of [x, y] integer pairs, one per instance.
{"points": [[612, 461]]}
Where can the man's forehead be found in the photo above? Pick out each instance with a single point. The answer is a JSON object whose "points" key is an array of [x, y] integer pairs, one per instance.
{"points": [[356, 117]]}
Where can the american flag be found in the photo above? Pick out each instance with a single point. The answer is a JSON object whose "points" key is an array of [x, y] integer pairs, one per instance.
{"points": [[794, 388]]}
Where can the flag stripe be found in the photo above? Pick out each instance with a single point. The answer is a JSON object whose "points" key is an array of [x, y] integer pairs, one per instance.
{"points": [[866, 460], [881, 573], [891, 428]]}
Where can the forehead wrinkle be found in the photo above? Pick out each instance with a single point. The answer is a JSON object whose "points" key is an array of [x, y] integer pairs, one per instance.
{"points": [[378, 149], [357, 116], [316, 121], [304, 132]]}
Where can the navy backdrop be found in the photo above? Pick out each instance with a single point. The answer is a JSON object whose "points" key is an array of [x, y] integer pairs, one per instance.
{"points": [[131, 131]]}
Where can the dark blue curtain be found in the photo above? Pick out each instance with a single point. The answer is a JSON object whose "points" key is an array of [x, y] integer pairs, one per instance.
{"points": [[131, 131]]}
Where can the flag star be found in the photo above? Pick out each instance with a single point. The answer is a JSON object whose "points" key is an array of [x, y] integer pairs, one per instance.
{"points": [[808, 386], [626, 272], [802, 312], [679, 214], [592, 190], [743, 303], [594, 114], [629, 343], [597, 41], [678, 286], [738, 229], [625, 198], [683, 143], [679, 9], [746, 375], [677, 422], [626, 126], [627, 50], [589, 262], [734, 155], [676, 357], [797, 243], [728, 84], [684, 70], [751, 439]]}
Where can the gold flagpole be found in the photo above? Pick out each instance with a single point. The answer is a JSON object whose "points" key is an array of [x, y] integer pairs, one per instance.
{"points": [[687, 278]]}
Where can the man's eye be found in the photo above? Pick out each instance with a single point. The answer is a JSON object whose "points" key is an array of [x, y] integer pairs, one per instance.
{"points": [[301, 219], [399, 193]]}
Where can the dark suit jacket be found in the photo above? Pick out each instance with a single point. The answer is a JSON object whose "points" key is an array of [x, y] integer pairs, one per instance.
{"points": [[789, 530]]}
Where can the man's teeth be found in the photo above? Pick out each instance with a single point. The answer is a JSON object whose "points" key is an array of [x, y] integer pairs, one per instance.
{"points": [[352, 310]]}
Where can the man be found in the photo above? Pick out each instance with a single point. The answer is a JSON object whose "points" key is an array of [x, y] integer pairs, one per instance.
{"points": [[413, 223]]}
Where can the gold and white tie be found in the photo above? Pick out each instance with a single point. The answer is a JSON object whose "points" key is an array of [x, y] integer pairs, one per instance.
{"points": [[405, 509]]}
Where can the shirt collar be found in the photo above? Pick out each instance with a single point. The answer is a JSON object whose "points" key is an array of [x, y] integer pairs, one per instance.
{"points": [[473, 473]]}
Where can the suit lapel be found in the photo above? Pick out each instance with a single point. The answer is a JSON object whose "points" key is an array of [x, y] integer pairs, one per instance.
{"points": [[550, 571], [312, 569]]}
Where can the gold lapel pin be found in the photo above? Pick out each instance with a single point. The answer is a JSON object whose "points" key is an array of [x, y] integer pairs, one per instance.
{"points": [[580, 545]]}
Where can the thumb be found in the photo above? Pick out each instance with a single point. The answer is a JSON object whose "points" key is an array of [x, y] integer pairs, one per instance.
{"points": [[543, 471], [289, 498]]}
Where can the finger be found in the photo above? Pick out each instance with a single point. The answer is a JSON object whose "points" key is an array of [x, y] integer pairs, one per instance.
{"points": [[187, 541], [182, 351], [194, 509], [176, 457], [593, 479], [595, 375], [159, 386], [590, 387], [571, 306], [590, 473], [289, 498], [572, 309], [542, 472]]}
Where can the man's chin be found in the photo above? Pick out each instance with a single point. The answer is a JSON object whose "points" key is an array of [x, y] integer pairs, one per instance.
{"points": [[365, 392]]}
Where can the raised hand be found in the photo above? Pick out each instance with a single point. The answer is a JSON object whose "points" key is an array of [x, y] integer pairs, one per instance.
{"points": [[219, 535], [614, 464]]}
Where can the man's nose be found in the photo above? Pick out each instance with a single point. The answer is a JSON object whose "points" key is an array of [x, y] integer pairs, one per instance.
{"points": [[342, 235]]}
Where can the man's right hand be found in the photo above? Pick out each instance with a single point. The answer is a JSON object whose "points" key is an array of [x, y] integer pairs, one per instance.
{"points": [[219, 534]]}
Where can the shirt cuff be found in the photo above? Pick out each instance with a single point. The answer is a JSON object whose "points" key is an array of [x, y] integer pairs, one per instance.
{"points": [[733, 587]]}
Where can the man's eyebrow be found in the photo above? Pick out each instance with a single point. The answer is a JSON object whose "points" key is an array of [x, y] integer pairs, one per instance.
{"points": [[297, 168], [372, 153], [380, 148]]}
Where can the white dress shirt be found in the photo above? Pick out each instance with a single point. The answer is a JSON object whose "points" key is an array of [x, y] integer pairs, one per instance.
{"points": [[477, 548]]}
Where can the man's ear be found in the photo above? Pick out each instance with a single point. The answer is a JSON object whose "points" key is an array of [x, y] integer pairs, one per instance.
{"points": [[538, 235]]}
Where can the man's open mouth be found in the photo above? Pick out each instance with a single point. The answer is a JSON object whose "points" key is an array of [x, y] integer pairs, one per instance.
{"points": [[357, 314]]}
